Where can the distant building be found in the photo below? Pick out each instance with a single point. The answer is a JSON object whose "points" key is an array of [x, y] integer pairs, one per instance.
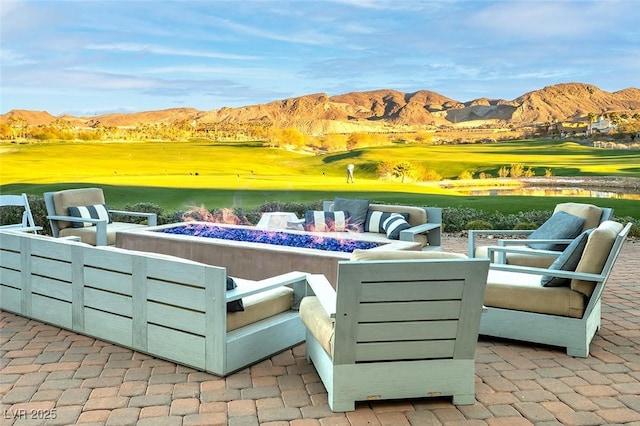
{"points": [[601, 125]]}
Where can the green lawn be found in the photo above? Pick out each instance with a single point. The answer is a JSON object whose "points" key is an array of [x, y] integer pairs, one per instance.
{"points": [[178, 175]]}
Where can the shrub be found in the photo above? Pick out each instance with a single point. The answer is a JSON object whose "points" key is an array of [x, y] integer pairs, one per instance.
{"points": [[525, 226], [478, 224]]}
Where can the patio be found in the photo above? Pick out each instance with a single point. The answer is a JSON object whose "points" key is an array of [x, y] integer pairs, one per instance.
{"points": [[52, 376]]}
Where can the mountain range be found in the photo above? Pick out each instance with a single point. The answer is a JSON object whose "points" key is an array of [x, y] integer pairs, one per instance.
{"points": [[379, 110]]}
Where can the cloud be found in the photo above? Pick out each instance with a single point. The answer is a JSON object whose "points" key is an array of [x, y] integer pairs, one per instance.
{"points": [[159, 50]]}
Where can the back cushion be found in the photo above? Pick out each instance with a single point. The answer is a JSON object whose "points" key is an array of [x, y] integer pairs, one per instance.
{"points": [[595, 254], [590, 213], [403, 254], [75, 197]]}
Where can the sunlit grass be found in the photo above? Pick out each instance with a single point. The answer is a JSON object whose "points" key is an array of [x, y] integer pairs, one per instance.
{"points": [[176, 174]]}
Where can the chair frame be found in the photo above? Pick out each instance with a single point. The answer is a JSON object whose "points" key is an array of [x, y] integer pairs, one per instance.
{"points": [[429, 352], [164, 306], [100, 224], [607, 213], [28, 223], [574, 334]]}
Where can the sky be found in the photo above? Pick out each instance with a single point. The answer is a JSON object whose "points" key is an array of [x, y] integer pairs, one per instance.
{"points": [[93, 57]]}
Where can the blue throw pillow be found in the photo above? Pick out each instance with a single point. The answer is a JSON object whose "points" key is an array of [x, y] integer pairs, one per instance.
{"points": [[393, 225], [560, 225], [567, 261], [321, 221], [96, 211], [375, 219], [357, 211]]}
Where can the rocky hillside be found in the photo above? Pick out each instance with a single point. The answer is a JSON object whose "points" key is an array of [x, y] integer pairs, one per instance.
{"points": [[381, 110]]}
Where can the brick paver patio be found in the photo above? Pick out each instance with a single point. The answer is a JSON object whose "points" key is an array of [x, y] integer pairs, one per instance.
{"points": [[52, 376]]}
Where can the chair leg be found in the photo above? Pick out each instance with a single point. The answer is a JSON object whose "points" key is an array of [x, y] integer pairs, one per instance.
{"points": [[464, 399], [340, 406]]}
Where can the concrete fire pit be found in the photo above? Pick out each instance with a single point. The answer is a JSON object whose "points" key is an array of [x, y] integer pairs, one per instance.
{"points": [[248, 260]]}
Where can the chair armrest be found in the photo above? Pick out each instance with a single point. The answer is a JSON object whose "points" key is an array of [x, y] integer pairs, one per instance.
{"points": [[249, 287], [101, 226], [409, 234], [536, 241], [475, 232], [152, 218], [502, 250], [22, 228], [545, 271], [324, 291], [77, 219]]}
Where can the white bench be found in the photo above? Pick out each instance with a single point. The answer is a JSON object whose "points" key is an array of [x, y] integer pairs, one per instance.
{"points": [[165, 306]]}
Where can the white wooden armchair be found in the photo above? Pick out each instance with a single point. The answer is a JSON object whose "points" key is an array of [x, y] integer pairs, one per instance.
{"points": [[542, 258], [519, 307], [396, 329], [27, 224], [83, 213]]}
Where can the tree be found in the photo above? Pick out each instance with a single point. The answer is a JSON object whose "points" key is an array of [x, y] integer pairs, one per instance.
{"points": [[403, 170]]}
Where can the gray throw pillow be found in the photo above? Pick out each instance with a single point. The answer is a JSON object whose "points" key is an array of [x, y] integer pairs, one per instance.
{"points": [[567, 261], [560, 225], [357, 211]]}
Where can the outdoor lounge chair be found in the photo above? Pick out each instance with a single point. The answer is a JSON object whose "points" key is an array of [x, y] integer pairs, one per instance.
{"points": [[547, 242], [559, 313], [83, 213], [404, 328], [27, 224]]}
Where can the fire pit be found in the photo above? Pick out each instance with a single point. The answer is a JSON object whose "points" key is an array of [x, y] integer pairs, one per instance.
{"points": [[267, 253]]}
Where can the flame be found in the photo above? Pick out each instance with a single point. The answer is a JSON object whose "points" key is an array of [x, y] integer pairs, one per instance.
{"points": [[223, 215]]}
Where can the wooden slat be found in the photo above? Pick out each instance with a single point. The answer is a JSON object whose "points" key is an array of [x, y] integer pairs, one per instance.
{"points": [[177, 270], [180, 347], [51, 311], [108, 302], [414, 330], [10, 299], [10, 278], [47, 287], [108, 258], [417, 290], [52, 268], [47, 247], [9, 241], [390, 351], [10, 259], [103, 325], [175, 294], [108, 280], [409, 311], [174, 317]]}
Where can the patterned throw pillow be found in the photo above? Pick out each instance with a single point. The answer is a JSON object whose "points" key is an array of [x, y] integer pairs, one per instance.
{"points": [[567, 261], [560, 225], [375, 219], [393, 225], [321, 221], [96, 211]]}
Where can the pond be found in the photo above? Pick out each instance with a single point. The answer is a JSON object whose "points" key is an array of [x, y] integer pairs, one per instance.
{"points": [[542, 191]]}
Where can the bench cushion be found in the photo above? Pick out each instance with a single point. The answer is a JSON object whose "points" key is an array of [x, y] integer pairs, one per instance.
{"points": [[75, 197], [524, 292], [88, 234], [403, 254], [590, 213], [595, 254], [318, 322], [261, 306]]}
